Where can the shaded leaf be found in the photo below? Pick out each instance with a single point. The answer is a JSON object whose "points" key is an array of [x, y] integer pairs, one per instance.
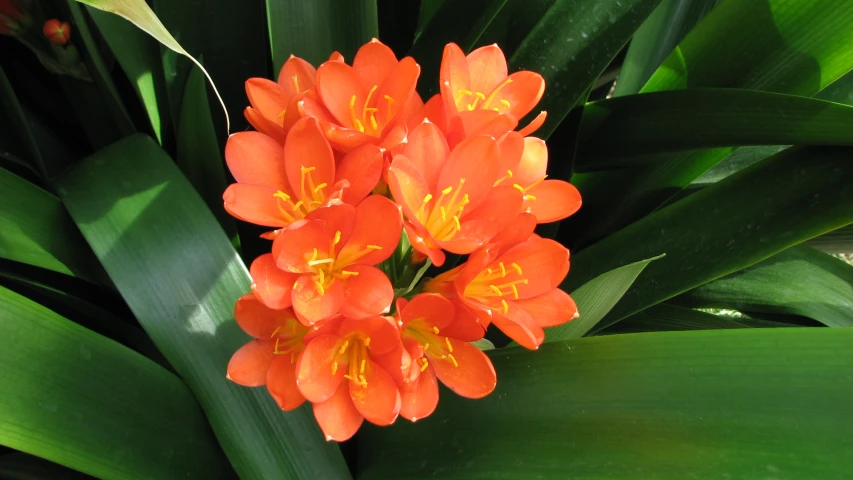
{"points": [[665, 317]]}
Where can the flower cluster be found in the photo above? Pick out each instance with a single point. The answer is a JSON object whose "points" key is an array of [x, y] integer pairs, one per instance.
{"points": [[362, 182]]}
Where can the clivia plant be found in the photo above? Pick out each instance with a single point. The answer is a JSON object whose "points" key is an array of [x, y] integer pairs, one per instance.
{"points": [[513, 239]]}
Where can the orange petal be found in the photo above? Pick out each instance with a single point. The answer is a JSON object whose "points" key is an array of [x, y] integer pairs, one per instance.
{"points": [[482, 224], [271, 284], [310, 304], [281, 383], [454, 129], [373, 63], [428, 151], [384, 334], [516, 232], [294, 246], [512, 148], [554, 200], [478, 176], [264, 125], [267, 97], [346, 139], [257, 319], [378, 223], [394, 138], [534, 124], [419, 244], [519, 326], [407, 185], [336, 57], [396, 91], [433, 111], [362, 168], [523, 93], [472, 376], [379, 400], [254, 204], [420, 401], [550, 309], [335, 218], [397, 362], [248, 366], [465, 326], [337, 83], [534, 162], [337, 416], [314, 370], [305, 148], [486, 68], [312, 107], [454, 71], [296, 76], [432, 308], [366, 294], [544, 263], [256, 159], [486, 122]]}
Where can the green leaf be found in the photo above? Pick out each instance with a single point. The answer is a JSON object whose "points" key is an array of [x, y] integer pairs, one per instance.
{"points": [[597, 297], [198, 155], [714, 404], [666, 317], [35, 229], [180, 275], [139, 57], [775, 204], [836, 241], [737, 161], [785, 46], [140, 14], [616, 131], [313, 30], [88, 403], [797, 281], [572, 44], [19, 132], [656, 38]]}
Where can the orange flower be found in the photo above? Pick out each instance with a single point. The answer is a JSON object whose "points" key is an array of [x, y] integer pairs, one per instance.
{"points": [[270, 359], [479, 97], [368, 102], [277, 186], [436, 347], [348, 354], [513, 285], [327, 261], [57, 32], [449, 197]]}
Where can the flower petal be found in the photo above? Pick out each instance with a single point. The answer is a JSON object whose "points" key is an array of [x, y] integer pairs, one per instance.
{"points": [[379, 400], [454, 70], [472, 376], [346, 139], [256, 159], [555, 200], [254, 204], [271, 284], [366, 294], [267, 97], [465, 326], [516, 232], [281, 383], [314, 370], [416, 238], [257, 319], [378, 223], [407, 185], [486, 122], [523, 93], [335, 218], [534, 162], [478, 176], [310, 304], [512, 148], [337, 83], [307, 148], [487, 68], [433, 111], [432, 308], [384, 334], [420, 401], [362, 168], [337, 416], [395, 92], [296, 76], [543, 262], [550, 309], [373, 63], [265, 125], [519, 326], [428, 151], [498, 210], [293, 247], [248, 366]]}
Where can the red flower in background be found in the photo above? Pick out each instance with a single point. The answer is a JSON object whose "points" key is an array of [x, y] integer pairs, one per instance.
{"points": [[57, 32]]}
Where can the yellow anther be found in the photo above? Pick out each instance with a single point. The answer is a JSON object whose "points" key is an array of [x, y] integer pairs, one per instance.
{"points": [[346, 273], [320, 187], [447, 191], [505, 306], [275, 349], [496, 290], [373, 123], [343, 347], [518, 187], [503, 268], [452, 359], [374, 247], [320, 289], [426, 346], [514, 291], [334, 368], [505, 103], [389, 99], [367, 342], [456, 220], [362, 380], [428, 198], [449, 346], [435, 330], [320, 262], [314, 255], [530, 197], [489, 272], [275, 331], [443, 213], [305, 169], [465, 92], [516, 267], [480, 95], [281, 195], [283, 113], [297, 206], [424, 364], [361, 368], [337, 237]]}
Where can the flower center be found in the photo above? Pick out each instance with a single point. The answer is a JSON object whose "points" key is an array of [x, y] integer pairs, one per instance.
{"points": [[351, 353], [478, 100], [312, 196], [288, 339], [495, 283], [435, 346], [365, 121], [332, 266], [441, 217]]}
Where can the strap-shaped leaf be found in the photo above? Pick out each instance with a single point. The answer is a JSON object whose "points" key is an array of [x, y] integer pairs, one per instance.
{"points": [[180, 275], [664, 317]]}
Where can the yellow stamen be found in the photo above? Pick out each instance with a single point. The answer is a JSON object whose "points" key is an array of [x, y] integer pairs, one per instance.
{"points": [[296, 82], [449, 346], [516, 267], [452, 359], [496, 290], [505, 104], [367, 342], [424, 364], [334, 368], [435, 330], [343, 347], [503, 269], [374, 247], [496, 91], [320, 289], [456, 221], [275, 331], [363, 364], [518, 187], [337, 237], [514, 291], [320, 187], [505, 306]]}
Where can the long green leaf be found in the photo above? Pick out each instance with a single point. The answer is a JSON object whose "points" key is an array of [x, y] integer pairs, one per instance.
{"points": [[665, 317], [750, 403], [313, 30], [617, 130], [758, 222], [17, 131], [596, 298], [35, 229], [798, 281], [785, 46], [572, 44], [179, 274], [656, 38], [836, 241], [86, 402]]}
